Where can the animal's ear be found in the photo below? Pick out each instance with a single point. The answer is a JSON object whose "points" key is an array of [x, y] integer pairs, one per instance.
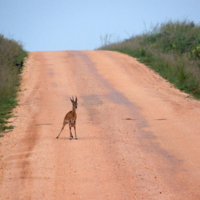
{"points": [[76, 99], [71, 100]]}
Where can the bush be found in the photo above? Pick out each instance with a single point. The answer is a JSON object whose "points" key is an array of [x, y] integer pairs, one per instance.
{"points": [[172, 49], [12, 57]]}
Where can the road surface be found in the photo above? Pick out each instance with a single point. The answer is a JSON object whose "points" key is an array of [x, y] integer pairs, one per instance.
{"points": [[138, 136]]}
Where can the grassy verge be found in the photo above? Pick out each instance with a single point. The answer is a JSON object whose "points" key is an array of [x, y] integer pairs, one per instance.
{"points": [[172, 49], [12, 56]]}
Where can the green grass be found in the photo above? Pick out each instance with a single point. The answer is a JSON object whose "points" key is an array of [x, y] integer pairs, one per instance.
{"points": [[11, 56], [172, 49]]}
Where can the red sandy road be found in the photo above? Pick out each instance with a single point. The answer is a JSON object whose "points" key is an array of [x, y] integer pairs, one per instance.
{"points": [[138, 137]]}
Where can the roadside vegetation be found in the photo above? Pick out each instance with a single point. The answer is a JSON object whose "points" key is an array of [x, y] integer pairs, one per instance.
{"points": [[172, 49], [12, 56]]}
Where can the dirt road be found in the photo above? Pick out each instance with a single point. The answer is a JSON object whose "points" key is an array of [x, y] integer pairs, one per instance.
{"points": [[138, 137]]}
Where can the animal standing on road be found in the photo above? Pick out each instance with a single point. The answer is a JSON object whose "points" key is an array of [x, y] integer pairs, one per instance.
{"points": [[70, 118]]}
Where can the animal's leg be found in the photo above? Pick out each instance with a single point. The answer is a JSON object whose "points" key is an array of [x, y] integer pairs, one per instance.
{"points": [[75, 132], [71, 136], [61, 131]]}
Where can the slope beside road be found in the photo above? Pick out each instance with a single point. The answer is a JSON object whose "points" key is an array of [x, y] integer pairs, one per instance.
{"points": [[138, 137]]}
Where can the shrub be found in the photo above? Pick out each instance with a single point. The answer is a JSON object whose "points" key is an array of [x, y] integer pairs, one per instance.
{"points": [[12, 56], [172, 49]]}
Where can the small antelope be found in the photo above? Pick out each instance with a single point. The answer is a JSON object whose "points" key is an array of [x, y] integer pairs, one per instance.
{"points": [[70, 118]]}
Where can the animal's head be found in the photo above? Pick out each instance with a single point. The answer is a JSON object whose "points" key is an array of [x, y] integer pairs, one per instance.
{"points": [[74, 102]]}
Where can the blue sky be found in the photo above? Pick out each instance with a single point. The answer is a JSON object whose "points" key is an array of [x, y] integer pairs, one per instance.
{"points": [[52, 25]]}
